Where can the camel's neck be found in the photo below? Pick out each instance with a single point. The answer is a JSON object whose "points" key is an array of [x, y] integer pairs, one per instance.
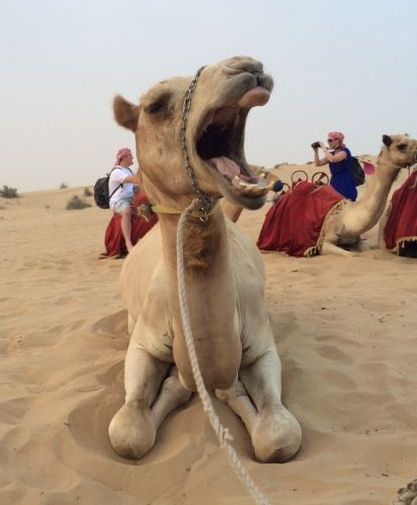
{"points": [[211, 298], [364, 214]]}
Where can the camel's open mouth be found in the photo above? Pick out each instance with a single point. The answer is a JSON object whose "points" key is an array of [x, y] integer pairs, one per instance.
{"points": [[220, 145]]}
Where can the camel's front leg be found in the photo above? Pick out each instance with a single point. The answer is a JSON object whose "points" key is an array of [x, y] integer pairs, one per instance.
{"points": [[132, 430], [330, 248], [275, 433]]}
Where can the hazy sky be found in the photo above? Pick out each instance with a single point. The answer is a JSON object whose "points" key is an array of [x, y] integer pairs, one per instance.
{"points": [[349, 66]]}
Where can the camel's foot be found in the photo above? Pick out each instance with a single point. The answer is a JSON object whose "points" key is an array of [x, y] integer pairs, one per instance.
{"points": [[276, 437], [132, 431], [330, 248]]}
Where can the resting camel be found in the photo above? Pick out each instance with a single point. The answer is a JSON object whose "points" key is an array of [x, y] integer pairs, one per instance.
{"points": [[224, 273], [339, 222], [348, 222]]}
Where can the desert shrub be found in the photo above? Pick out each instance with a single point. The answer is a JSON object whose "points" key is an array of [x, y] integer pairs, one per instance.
{"points": [[63, 185], [75, 202], [88, 192], [7, 192]]}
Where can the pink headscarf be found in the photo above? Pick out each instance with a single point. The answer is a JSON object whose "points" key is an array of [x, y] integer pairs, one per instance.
{"points": [[121, 153], [336, 136]]}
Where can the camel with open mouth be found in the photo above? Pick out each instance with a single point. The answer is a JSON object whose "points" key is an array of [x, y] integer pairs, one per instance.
{"points": [[189, 138]]}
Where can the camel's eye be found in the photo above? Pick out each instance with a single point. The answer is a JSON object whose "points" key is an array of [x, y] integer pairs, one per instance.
{"points": [[159, 104], [154, 108], [402, 147]]}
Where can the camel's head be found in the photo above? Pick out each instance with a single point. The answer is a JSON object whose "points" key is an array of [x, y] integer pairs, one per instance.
{"points": [[214, 136], [400, 149]]}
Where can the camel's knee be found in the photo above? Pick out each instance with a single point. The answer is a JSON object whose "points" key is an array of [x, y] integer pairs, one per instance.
{"points": [[132, 432], [276, 438]]}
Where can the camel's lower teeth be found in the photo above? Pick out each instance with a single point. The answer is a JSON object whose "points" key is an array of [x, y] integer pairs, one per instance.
{"points": [[239, 183], [247, 186]]}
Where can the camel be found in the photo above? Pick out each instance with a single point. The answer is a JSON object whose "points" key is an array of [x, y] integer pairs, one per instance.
{"points": [[224, 272], [343, 221], [348, 221]]}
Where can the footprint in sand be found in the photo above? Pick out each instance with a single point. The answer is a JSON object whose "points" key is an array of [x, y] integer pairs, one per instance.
{"points": [[334, 354]]}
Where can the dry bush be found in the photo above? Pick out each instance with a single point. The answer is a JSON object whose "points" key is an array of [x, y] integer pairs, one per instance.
{"points": [[87, 192], [75, 203], [7, 192]]}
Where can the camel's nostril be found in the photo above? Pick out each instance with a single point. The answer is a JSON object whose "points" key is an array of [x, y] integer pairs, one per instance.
{"points": [[258, 76]]}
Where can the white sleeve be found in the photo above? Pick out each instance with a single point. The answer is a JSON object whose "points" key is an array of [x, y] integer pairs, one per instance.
{"points": [[117, 176]]}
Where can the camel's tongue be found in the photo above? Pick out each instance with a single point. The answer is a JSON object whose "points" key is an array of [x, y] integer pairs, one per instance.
{"points": [[229, 169], [226, 166]]}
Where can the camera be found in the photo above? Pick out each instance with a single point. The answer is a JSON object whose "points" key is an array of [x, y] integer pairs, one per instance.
{"points": [[315, 145]]}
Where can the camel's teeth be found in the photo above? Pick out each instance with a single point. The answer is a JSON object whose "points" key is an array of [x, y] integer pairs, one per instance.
{"points": [[248, 187], [237, 181]]}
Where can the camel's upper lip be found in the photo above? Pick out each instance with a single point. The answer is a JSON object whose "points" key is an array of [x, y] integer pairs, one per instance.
{"points": [[219, 144]]}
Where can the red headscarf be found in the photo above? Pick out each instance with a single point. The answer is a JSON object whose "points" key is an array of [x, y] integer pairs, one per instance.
{"points": [[336, 136], [121, 153]]}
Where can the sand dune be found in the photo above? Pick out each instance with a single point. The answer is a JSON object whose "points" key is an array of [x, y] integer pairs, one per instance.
{"points": [[345, 329]]}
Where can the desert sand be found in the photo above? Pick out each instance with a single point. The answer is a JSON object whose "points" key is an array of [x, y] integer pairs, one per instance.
{"points": [[345, 330]]}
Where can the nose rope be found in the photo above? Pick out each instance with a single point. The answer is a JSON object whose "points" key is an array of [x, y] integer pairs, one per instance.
{"points": [[203, 204], [223, 434]]}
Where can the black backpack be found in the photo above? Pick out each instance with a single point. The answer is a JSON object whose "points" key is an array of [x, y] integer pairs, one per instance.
{"points": [[101, 191], [357, 171]]}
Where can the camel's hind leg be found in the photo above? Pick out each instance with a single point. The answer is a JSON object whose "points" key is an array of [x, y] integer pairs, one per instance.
{"points": [[132, 430], [275, 433]]}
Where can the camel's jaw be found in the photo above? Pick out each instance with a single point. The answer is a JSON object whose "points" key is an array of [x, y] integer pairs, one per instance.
{"points": [[219, 146]]}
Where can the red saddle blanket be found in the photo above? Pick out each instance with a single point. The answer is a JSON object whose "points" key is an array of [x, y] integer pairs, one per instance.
{"points": [[293, 224], [113, 237], [401, 226]]}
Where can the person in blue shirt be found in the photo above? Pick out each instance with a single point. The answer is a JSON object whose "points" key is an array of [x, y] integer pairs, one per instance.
{"points": [[339, 159]]}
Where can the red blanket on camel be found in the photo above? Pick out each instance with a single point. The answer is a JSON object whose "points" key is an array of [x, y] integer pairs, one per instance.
{"points": [[400, 231], [293, 224], [113, 238]]}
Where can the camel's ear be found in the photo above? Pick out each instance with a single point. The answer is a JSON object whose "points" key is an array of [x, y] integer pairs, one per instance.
{"points": [[125, 113], [387, 140]]}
